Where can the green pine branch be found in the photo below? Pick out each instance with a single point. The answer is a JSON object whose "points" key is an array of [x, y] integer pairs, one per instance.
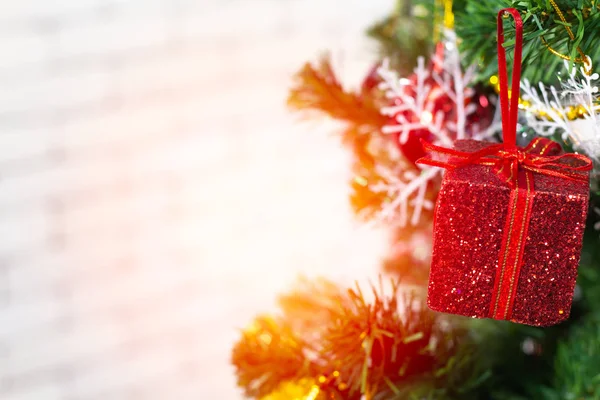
{"points": [[577, 363], [408, 32], [477, 23], [405, 34]]}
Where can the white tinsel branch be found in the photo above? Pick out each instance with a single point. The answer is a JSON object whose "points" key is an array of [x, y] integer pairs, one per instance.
{"points": [[578, 89]]}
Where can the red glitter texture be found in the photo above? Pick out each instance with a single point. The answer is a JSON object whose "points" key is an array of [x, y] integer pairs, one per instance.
{"points": [[470, 217]]}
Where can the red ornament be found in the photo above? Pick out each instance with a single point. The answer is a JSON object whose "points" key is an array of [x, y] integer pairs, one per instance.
{"points": [[509, 221], [437, 101]]}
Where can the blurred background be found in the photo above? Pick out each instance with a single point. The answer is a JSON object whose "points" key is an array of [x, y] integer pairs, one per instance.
{"points": [[155, 192]]}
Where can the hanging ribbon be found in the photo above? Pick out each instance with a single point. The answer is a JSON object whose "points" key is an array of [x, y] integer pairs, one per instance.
{"points": [[516, 167]]}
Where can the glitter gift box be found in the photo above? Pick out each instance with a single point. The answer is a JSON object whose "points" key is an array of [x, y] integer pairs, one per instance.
{"points": [[467, 277]]}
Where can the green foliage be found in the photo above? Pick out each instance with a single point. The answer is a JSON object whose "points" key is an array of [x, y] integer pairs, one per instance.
{"points": [[478, 23], [408, 32], [405, 34], [577, 363]]}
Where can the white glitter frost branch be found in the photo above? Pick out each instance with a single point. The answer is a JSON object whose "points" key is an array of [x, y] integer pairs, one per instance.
{"points": [[414, 109], [578, 89]]}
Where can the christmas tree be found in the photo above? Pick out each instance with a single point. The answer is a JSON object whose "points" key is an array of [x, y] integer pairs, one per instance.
{"points": [[437, 80]]}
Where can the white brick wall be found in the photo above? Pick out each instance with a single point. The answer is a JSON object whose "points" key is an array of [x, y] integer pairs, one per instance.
{"points": [[155, 194]]}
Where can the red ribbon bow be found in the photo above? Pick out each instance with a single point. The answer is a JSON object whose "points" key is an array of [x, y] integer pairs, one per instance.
{"points": [[507, 159], [507, 163]]}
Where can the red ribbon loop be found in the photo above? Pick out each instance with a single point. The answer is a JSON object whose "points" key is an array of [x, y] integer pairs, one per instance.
{"points": [[507, 159], [510, 111]]}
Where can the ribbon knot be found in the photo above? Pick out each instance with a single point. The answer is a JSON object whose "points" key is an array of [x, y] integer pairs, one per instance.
{"points": [[518, 156]]}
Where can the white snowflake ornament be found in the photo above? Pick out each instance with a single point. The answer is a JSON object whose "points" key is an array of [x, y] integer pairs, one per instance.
{"points": [[437, 101]]}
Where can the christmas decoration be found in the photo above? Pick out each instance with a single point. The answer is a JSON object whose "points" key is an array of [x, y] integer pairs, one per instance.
{"points": [[572, 113], [427, 106], [509, 221], [376, 159], [544, 109], [437, 105], [328, 342]]}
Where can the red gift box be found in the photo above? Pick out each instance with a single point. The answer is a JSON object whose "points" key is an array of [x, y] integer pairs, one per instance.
{"points": [[509, 221], [471, 218]]}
